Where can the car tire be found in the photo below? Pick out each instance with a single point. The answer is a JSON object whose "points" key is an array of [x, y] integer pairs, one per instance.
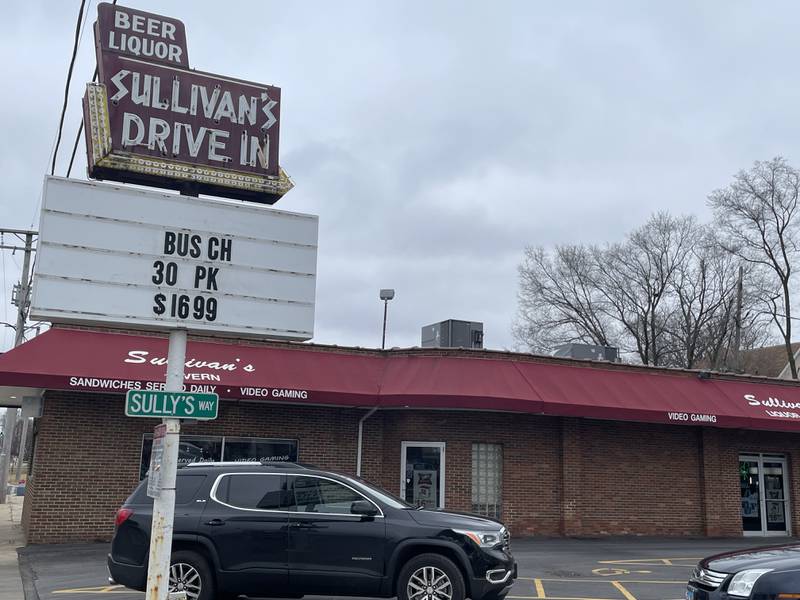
{"points": [[189, 571], [421, 578]]}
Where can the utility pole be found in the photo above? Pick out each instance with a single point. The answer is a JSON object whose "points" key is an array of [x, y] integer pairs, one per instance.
{"points": [[24, 291], [22, 302], [737, 333]]}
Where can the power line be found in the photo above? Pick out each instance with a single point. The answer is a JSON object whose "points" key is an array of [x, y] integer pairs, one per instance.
{"points": [[78, 27], [80, 130], [83, 24], [58, 137], [75, 145], [80, 127]]}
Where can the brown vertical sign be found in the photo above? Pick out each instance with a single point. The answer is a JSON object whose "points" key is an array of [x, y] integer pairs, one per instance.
{"points": [[154, 121]]}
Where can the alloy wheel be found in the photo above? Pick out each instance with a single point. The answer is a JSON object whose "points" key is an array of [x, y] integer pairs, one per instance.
{"points": [[185, 578], [429, 583]]}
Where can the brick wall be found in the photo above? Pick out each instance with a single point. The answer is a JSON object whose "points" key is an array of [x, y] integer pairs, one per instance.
{"points": [[560, 476], [87, 455], [531, 464], [640, 479]]}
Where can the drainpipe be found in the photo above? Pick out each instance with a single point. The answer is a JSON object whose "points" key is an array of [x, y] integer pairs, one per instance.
{"points": [[369, 413]]}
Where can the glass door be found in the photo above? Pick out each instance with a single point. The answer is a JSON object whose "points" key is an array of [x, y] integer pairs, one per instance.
{"points": [[750, 487], [422, 473], [775, 500], [765, 503]]}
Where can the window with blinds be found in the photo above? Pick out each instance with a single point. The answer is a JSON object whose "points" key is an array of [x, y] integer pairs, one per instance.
{"points": [[487, 479]]}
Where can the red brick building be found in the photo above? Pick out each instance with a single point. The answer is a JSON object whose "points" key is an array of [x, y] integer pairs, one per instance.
{"points": [[551, 446]]}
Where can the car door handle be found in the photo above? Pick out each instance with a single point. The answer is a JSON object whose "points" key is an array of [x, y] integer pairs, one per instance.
{"points": [[305, 526], [215, 522]]}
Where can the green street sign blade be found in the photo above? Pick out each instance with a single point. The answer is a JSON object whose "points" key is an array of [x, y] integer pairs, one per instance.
{"points": [[171, 405]]}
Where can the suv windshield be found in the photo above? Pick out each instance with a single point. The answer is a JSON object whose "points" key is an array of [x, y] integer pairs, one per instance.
{"points": [[379, 494]]}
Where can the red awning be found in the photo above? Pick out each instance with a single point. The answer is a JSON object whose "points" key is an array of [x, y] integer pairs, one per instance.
{"points": [[69, 359], [66, 359]]}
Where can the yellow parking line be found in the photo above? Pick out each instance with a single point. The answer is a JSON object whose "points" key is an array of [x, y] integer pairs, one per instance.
{"points": [[623, 590], [646, 581], [539, 588], [651, 562], [105, 589], [593, 580]]}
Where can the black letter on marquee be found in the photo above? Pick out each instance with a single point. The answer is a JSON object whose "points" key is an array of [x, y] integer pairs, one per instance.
{"points": [[199, 275], [195, 251], [211, 278], [213, 253], [225, 253], [159, 307], [169, 242]]}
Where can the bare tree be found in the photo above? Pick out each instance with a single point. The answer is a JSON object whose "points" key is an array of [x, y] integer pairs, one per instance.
{"points": [[666, 295], [758, 216], [558, 299], [701, 329], [634, 279]]}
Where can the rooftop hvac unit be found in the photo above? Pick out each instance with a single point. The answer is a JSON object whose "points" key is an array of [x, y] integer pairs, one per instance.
{"points": [[453, 334], [587, 352]]}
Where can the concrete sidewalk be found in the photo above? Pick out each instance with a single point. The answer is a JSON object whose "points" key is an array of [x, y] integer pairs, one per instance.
{"points": [[11, 538]]}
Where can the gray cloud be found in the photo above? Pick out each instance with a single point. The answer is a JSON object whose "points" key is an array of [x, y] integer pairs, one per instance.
{"points": [[436, 140]]}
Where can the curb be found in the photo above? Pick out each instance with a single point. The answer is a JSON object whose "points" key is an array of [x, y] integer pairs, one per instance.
{"points": [[28, 576]]}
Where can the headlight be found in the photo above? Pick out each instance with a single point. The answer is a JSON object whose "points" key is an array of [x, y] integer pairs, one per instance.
{"points": [[484, 539], [742, 583]]}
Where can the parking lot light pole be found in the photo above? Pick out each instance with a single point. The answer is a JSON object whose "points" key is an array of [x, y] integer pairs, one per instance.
{"points": [[164, 504], [386, 295]]}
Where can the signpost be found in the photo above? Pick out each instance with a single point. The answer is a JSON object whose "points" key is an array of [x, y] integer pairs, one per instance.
{"points": [[174, 405], [125, 257], [164, 501]]}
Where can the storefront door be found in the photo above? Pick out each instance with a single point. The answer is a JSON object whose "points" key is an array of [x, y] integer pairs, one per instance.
{"points": [[422, 473], [764, 490]]}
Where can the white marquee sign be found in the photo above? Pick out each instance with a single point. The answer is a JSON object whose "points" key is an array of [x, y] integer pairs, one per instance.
{"points": [[124, 256]]}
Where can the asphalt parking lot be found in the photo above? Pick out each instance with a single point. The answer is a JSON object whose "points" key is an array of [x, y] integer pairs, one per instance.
{"points": [[549, 569]]}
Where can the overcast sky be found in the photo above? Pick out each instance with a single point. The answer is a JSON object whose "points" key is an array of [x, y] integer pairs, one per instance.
{"points": [[437, 139]]}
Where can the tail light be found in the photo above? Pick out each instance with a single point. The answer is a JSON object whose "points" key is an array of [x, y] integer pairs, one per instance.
{"points": [[123, 514]]}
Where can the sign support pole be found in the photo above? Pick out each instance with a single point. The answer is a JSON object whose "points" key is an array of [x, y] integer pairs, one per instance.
{"points": [[164, 505]]}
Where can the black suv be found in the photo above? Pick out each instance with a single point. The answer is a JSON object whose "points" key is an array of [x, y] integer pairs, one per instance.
{"points": [[285, 530]]}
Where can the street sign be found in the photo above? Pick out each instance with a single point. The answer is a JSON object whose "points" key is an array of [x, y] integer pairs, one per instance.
{"points": [[154, 474], [171, 405], [126, 257]]}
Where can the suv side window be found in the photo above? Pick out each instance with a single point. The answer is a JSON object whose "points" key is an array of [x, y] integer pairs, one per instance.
{"points": [[316, 495], [254, 491]]}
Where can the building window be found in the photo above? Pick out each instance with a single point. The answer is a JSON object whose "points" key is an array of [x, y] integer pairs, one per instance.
{"points": [[218, 448], [487, 479]]}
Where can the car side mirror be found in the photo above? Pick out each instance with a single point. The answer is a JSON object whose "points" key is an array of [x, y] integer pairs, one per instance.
{"points": [[363, 508]]}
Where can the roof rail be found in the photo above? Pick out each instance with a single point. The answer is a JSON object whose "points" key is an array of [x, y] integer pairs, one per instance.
{"points": [[285, 465], [235, 463]]}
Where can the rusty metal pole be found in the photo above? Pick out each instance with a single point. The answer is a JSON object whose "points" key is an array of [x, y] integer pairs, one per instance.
{"points": [[164, 505]]}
